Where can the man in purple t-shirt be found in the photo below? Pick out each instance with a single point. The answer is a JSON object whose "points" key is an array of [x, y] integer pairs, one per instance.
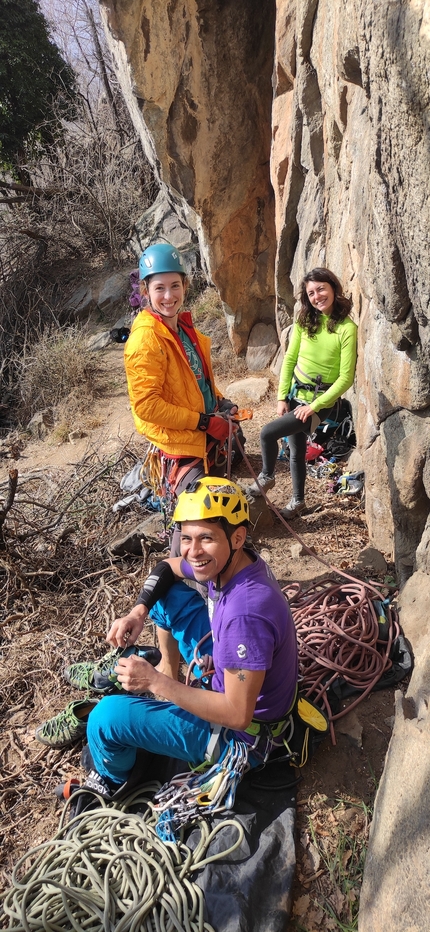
{"points": [[254, 646]]}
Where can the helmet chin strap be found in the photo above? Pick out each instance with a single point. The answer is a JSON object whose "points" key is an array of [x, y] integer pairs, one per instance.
{"points": [[228, 562]]}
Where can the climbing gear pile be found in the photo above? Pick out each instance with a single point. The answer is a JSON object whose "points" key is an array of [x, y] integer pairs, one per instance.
{"points": [[345, 635], [337, 437], [107, 869], [68, 726], [188, 796]]}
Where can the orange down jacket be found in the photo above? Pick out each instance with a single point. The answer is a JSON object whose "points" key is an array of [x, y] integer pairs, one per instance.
{"points": [[165, 397]]}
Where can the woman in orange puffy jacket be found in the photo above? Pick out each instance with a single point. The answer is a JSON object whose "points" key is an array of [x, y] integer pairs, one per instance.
{"points": [[174, 400]]}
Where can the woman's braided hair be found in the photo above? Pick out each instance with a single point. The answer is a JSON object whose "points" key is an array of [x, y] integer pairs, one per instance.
{"points": [[309, 317]]}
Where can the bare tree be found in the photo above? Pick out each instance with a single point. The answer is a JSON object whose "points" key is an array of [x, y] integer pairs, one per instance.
{"points": [[83, 195]]}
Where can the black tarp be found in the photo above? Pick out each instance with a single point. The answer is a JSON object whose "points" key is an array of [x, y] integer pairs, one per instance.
{"points": [[251, 889]]}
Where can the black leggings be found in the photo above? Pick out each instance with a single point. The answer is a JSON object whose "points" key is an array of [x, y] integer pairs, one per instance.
{"points": [[297, 432]]}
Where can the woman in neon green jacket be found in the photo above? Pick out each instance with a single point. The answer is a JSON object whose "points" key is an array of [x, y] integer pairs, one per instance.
{"points": [[318, 367]]}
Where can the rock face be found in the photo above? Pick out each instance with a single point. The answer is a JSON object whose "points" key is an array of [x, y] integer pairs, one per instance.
{"points": [[328, 167], [395, 891], [349, 156], [197, 79]]}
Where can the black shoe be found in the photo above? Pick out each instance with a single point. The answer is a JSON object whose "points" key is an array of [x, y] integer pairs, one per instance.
{"points": [[91, 795]]}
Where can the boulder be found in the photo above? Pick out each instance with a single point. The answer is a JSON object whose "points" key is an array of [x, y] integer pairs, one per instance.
{"points": [[262, 346], [81, 304], [114, 290], [99, 341], [248, 391], [276, 363], [260, 515], [41, 424], [372, 560]]}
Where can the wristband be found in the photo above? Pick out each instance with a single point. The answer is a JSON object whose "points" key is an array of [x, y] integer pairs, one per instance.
{"points": [[158, 584], [203, 422]]}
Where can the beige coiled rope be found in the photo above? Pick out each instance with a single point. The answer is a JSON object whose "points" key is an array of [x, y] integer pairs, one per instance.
{"points": [[107, 871]]}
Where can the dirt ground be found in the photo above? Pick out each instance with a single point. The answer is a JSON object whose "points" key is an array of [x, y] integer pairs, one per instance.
{"points": [[52, 617]]}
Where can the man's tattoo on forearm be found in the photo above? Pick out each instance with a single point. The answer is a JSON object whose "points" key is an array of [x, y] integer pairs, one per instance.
{"points": [[241, 675]]}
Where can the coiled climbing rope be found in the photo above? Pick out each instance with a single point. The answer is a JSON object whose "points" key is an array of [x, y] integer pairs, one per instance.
{"points": [[338, 629], [107, 871], [340, 636]]}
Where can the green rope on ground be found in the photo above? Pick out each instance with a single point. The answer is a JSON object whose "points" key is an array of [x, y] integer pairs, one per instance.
{"points": [[108, 871]]}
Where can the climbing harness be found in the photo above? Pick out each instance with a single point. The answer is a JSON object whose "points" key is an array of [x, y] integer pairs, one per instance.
{"points": [[108, 869], [315, 385], [307, 726]]}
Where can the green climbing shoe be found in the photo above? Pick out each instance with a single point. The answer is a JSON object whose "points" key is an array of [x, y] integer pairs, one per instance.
{"points": [[68, 726], [93, 675]]}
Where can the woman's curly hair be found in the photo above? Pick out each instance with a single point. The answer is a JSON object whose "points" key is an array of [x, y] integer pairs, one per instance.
{"points": [[309, 317]]}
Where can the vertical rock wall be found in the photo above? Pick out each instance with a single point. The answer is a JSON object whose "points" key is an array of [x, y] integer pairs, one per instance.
{"points": [[197, 78], [344, 140], [350, 163]]}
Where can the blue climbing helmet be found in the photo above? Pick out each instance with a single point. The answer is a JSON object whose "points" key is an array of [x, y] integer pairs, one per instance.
{"points": [[159, 258]]}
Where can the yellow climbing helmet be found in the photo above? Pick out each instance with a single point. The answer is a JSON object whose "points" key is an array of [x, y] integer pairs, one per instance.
{"points": [[212, 498]]}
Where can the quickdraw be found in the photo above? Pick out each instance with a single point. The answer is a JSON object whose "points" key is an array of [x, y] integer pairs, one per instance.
{"points": [[190, 795]]}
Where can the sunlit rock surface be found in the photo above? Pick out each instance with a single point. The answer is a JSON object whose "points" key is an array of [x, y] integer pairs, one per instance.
{"points": [[294, 135]]}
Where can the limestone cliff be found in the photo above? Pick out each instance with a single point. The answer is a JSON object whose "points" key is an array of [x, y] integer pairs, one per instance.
{"points": [[298, 133]]}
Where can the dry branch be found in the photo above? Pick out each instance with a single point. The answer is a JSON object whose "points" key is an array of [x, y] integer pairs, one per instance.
{"points": [[59, 592], [13, 482]]}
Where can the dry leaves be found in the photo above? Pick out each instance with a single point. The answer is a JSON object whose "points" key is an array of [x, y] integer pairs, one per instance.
{"points": [[330, 855]]}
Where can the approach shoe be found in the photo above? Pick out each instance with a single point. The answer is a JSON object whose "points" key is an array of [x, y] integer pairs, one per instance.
{"points": [[96, 792], [94, 674], [68, 726], [293, 509], [266, 483]]}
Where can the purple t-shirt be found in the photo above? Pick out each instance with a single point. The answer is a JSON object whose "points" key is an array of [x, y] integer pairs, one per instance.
{"points": [[253, 629]]}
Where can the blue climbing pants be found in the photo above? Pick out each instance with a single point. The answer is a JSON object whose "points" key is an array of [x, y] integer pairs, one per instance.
{"points": [[120, 725]]}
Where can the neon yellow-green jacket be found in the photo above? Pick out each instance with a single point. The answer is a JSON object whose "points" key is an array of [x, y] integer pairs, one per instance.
{"points": [[333, 356]]}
